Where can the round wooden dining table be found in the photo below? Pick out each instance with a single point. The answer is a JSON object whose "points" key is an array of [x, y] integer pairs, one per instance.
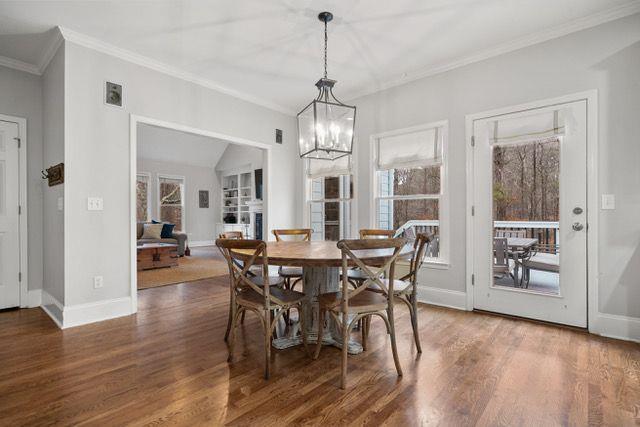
{"points": [[321, 262]]}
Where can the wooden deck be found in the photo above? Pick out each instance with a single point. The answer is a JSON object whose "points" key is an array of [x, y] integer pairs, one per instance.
{"points": [[167, 364]]}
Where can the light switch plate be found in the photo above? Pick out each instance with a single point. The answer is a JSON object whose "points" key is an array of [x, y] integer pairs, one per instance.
{"points": [[94, 203], [98, 282], [608, 201]]}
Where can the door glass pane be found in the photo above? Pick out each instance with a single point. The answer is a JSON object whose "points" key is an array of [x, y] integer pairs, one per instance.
{"points": [[330, 220], [526, 200]]}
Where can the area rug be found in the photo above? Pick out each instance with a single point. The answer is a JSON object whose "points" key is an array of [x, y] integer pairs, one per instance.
{"points": [[204, 262]]}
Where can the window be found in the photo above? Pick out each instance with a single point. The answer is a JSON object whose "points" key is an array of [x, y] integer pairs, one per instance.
{"points": [[143, 207], [329, 195], [409, 171], [171, 200]]}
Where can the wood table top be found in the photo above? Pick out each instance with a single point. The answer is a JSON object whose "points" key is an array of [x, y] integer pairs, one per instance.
{"points": [[521, 242], [319, 254]]}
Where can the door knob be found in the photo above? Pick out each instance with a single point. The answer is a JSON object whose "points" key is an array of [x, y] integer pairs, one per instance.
{"points": [[577, 226]]}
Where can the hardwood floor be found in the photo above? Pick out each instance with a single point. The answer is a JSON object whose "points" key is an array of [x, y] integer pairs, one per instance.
{"points": [[167, 364]]}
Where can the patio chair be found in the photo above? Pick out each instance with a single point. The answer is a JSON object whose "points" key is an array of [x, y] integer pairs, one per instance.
{"points": [[501, 265], [541, 261]]}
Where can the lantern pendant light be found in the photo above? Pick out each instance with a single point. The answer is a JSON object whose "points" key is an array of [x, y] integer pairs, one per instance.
{"points": [[325, 126]]}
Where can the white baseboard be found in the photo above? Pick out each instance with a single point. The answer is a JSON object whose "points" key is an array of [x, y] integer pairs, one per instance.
{"points": [[34, 298], [442, 297], [81, 314], [200, 243], [615, 326], [52, 307]]}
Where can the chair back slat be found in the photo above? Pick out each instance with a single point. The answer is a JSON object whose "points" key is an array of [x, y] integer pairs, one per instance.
{"points": [[372, 233], [420, 250], [500, 252], [352, 248], [293, 234]]}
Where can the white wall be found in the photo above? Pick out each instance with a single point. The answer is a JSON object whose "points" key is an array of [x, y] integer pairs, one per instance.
{"points": [[200, 223], [21, 96], [606, 58], [97, 151], [54, 153], [236, 156]]}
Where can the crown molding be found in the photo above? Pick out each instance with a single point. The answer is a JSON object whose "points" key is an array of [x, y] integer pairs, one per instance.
{"points": [[547, 34], [19, 65], [50, 51], [126, 55]]}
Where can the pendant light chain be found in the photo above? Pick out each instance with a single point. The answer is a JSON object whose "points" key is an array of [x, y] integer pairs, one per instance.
{"points": [[325, 48]]}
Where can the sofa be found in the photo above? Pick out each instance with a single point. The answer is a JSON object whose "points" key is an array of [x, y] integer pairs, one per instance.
{"points": [[177, 238]]}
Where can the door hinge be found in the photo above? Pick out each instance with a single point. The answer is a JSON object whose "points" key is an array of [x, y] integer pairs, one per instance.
{"points": [[20, 277], [473, 280], [473, 141], [473, 211], [19, 210], [19, 141]]}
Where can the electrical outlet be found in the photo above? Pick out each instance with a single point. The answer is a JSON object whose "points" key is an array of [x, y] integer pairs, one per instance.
{"points": [[94, 203], [98, 282]]}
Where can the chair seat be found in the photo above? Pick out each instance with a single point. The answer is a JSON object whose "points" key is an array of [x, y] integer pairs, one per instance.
{"points": [[290, 271], [364, 301], [399, 286], [273, 280], [544, 262], [253, 298]]}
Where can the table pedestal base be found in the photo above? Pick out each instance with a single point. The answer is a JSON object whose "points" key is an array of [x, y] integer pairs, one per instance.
{"points": [[317, 280]]}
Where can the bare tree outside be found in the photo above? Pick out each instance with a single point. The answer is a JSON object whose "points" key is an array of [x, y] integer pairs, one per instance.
{"points": [[142, 200]]}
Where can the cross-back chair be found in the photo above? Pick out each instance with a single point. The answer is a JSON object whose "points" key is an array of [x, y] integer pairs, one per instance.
{"points": [[292, 275], [356, 276], [405, 288], [350, 305], [248, 293]]}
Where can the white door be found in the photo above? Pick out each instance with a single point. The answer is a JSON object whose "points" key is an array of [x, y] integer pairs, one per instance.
{"points": [[530, 211], [9, 222]]}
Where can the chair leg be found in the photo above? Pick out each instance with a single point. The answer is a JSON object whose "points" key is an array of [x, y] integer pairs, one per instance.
{"points": [[242, 318], [232, 334], [345, 350], [392, 334], [303, 329], [321, 314], [230, 320], [267, 344], [363, 322], [414, 321]]}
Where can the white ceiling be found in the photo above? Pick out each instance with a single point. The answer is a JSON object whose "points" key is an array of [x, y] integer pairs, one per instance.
{"points": [[271, 51], [168, 145]]}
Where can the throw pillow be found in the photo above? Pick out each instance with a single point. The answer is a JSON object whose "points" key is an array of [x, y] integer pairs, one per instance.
{"points": [[167, 229], [152, 231]]}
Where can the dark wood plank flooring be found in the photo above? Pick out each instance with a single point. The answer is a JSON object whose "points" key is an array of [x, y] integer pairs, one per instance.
{"points": [[167, 364]]}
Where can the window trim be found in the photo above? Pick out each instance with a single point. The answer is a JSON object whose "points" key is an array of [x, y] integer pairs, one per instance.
{"points": [[184, 195], [443, 261], [149, 193]]}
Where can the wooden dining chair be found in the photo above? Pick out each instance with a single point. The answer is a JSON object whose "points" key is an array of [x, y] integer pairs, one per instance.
{"points": [[231, 235], [405, 288], [257, 294], [254, 271], [350, 305], [292, 275]]}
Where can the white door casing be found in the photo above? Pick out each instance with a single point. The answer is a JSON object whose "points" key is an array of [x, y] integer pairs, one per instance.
{"points": [[9, 217], [570, 307]]}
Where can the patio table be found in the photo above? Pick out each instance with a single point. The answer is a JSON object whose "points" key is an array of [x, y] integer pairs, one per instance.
{"points": [[519, 248]]}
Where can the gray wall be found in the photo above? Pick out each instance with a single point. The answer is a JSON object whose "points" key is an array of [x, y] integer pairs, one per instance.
{"points": [[97, 152], [21, 96], [54, 153], [200, 222], [606, 58]]}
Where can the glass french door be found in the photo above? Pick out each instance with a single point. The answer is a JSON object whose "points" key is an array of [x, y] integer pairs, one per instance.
{"points": [[530, 211]]}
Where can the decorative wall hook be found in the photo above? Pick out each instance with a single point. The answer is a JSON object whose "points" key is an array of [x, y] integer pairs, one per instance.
{"points": [[55, 174]]}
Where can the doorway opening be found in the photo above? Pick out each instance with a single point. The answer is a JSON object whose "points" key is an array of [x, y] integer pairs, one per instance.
{"points": [[188, 186]]}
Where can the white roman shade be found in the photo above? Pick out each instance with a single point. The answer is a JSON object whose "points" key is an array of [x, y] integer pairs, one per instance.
{"points": [[319, 168], [533, 127], [413, 149]]}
